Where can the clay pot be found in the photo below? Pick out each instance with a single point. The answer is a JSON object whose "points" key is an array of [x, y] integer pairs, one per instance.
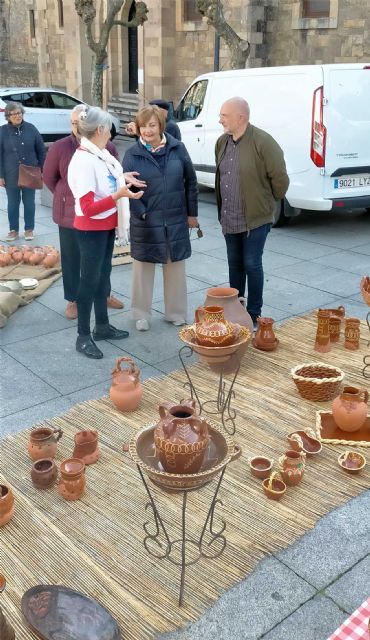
{"points": [[334, 328], [352, 334], [86, 446], [234, 310], [322, 342], [181, 438], [44, 473], [36, 257], [265, 338], [6, 504], [6, 631], [352, 462], [43, 443], [260, 467], [305, 441], [72, 482], [291, 467], [5, 258], [50, 259], [350, 409], [211, 328], [17, 257], [274, 487], [126, 390]]}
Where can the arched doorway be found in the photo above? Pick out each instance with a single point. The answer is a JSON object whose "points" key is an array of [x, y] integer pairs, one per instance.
{"points": [[133, 83]]}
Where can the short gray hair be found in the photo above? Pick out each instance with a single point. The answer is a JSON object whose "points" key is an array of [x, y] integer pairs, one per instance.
{"points": [[12, 106], [90, 119]]}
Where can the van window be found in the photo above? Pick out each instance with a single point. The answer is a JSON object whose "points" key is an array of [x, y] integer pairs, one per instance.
{"points": [[192, 103]]}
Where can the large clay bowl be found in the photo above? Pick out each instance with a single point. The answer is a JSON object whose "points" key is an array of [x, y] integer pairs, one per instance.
{"points": [[352, 461], [221, 450], [216, 355]]}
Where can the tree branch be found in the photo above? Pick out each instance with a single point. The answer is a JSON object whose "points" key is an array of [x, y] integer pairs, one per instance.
{"points": [[214, 12], [139, 17]]}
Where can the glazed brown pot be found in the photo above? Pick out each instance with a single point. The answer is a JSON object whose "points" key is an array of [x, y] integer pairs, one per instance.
{"points": [[86, 446], [260, 467], [334, 328], [228, 299], [352, 334], [181, 438], [6, 631], [72, 482], [322, 342], [291, 467], [43, 443], [6, 504], [265, 338], [44, 473], [350, 409], [211, 328], [126, 390]]}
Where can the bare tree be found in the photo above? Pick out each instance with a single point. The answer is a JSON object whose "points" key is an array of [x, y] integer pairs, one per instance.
{"points": [[87, 12], [214, 12]]}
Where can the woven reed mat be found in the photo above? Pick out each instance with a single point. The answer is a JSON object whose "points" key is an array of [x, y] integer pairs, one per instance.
{"points": [[95, 545]]}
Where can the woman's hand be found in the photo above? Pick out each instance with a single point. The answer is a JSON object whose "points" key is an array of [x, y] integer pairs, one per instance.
{"points": [[2, 182], [192, 222], [131, 180], [124, 192]]}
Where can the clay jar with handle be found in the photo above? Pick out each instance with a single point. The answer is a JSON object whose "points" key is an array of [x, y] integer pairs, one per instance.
{"points": [[211, 328], [6, 631], [72, 482], [265, 338], [43, 443], [44, 473], [228, 299], [86, 446], [6, 504], [126, 390], [350, 409], [291, 467], [181, 437]]}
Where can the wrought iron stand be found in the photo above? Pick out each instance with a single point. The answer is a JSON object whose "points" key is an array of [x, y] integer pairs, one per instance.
{"points": [[366, 359], [210, 544], [222, 404]]}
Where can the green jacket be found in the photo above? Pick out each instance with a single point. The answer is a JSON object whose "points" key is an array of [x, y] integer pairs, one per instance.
{"points": [[263, 175]]}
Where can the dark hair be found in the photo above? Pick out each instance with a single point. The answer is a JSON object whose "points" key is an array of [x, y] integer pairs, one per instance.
{"points": [[12, 106], [144, 115]]}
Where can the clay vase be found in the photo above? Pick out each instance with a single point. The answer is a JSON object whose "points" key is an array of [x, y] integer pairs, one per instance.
{"points": [[350, 409], [86, 446], [6, 505], [43, 443], [334, 328], [228, 299], [352, 334], [265, 338], [322, 342], [291, 467], [5, 258], [126, 390], [211, 328], [72, 482], [6, 631], [181, 438], [50, 259], [44, 473]]}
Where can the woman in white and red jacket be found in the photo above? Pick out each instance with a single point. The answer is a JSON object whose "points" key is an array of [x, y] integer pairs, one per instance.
{"points": [[96, 180]]}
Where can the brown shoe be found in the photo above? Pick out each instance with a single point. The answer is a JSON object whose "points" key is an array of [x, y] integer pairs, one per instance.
{"points": [[71, 311], [12, 235], [114, 303]]}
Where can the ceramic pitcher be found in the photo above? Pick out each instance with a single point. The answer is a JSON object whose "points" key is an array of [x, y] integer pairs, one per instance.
{"points": [[291, 467], [126, 390], [211, 328], [43, 442], [233, 306], [265, 338], [350, 409]]}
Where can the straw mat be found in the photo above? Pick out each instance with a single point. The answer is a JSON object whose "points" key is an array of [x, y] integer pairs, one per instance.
{"points": [[95, 545]]}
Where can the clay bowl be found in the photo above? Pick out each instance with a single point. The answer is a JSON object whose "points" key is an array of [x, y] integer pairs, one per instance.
{"points": [[352, 461], [216, 355], [260, 467], [301, 441], [274, 489]]}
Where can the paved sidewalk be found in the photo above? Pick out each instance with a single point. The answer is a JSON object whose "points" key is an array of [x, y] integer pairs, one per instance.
{"points": [[309, 589]]}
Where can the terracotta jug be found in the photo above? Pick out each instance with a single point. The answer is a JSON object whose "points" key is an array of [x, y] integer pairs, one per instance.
{"points": [[6, 631], [322, 342], [228, 299], [291, 467], [86, 446], [43, 443], [6, 504], [44, 473], [350, 409], [265, 338], [72, 482], [126, 390], [352, 334], [181, 437], [211, 328]]}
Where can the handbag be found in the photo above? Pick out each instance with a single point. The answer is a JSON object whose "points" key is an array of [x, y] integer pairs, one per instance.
{"points": [[29, 177]]}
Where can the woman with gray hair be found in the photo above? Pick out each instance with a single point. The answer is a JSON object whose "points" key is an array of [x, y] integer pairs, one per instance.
{"points": [[20, 143], [98, 185]]}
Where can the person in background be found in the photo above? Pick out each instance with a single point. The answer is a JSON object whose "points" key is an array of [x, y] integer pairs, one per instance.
{"points": [[251, 177], [160, 220], [171, 127], [55, 177], [97, 182], [20, 143]]}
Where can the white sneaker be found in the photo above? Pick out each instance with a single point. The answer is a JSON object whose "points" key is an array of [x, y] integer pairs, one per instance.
{"points": [[178, 323], [142, 325]]}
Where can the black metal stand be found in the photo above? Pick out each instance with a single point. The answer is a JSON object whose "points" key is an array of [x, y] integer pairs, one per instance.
{"points": [[158, 544], [366, 359], [222, 404]]}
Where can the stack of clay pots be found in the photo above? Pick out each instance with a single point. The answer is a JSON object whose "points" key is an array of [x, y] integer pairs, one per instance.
{"points": [[46, 256]]}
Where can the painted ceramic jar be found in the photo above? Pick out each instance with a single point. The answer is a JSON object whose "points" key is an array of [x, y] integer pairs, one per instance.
{"points": [[352, 334], [181, 437], [322, 342], [44, 473], [265, 338], [211, 328], [43, 443], [126, 390], [72, 482], [6, 631], [228, 299], [86, 446], [350, 409], [291, 467], [6, 504], [334, 328]]}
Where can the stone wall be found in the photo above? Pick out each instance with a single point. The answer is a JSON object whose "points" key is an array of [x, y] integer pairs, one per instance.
{"points": [[18, 52]]}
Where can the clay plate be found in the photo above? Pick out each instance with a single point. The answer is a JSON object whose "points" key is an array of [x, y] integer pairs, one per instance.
{"points": [[55, 612], [328, 432], [29, 283], [352, 461]]}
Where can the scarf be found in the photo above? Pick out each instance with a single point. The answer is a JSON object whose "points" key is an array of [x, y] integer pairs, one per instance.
{"points": [[123, 207], [149, 147]]}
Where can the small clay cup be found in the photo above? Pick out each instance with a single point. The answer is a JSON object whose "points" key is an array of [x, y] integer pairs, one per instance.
{"points": [[44, 473], [352, 462], [260, 467], [72, 481], [274, 488], [86, 446]]}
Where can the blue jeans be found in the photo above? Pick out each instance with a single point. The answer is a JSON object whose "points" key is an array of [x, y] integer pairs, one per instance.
{"points": [[14, 199], [244, 256]]}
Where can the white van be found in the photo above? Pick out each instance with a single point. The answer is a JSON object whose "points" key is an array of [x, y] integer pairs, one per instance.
{"points": [[319, 114]]}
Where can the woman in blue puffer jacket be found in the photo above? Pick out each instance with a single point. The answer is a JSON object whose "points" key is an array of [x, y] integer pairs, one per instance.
{"points": [[160, 220]]}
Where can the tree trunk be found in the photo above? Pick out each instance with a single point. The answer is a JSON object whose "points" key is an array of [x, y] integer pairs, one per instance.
{"points": [[214, 12]]}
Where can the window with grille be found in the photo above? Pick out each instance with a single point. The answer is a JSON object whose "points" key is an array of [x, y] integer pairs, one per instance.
{"points": [[316, 9], [32, 24], [190, 12]]}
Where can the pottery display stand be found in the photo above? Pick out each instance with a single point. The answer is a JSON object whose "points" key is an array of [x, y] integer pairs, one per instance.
{"points": [[221, 405], [159, 545], [366, 359]]}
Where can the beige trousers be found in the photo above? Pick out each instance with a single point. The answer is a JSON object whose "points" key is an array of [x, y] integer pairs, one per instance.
{"points": [[174, 286]]}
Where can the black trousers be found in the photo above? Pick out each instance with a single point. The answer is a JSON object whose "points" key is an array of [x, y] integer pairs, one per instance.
{"points": [[96, 249]]}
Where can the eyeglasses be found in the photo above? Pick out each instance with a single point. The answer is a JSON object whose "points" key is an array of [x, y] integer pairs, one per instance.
{"points": [[15, 113], [74, 124]]}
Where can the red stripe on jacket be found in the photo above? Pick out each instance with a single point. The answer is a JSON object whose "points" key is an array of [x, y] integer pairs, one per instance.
{"points": [[89, 208]]}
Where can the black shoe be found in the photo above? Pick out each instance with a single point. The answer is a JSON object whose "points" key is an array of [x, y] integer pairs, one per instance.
{"points": [[85, 345], [107, 332]]}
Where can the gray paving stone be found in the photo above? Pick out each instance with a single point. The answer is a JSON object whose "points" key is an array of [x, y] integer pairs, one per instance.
{"points": [[292, 297], [273, 260], [208, 269], [323, 278], [352, 589], [347, 261], [32, 415], [295, 246], [53, 299], [31, 321]]}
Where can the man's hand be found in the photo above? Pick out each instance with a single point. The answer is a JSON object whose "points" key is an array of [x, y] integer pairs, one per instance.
{"points": [[131, 129], [192, 222], [131, 180]]}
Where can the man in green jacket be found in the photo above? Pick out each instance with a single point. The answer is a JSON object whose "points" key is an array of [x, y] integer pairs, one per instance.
{"points": [[251, 177]]}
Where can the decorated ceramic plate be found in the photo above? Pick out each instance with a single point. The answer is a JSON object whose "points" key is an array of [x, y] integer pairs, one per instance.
{"points": [[29, 283]]}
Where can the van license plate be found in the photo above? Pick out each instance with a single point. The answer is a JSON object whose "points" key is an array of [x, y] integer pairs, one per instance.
{"points": [[352, 182]]}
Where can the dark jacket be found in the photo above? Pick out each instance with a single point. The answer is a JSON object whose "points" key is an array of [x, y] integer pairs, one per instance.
{"points": [[158, 221], [56, 174], [173, 129], [263, 175], [22, 144]]}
